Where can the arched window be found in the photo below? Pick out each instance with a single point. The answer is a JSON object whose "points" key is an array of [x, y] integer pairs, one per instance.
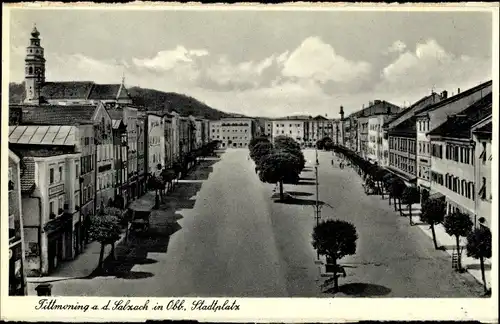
{"points": [[30, 70]]}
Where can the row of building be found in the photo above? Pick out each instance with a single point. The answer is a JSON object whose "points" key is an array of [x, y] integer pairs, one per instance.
{"points": [[441, 144], [74, 148]]}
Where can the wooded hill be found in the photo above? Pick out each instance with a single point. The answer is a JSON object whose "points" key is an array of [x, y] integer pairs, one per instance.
{"points": [[152, 99]]}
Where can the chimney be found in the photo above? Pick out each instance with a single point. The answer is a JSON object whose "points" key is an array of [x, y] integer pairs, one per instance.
{"points": [[341, 113], [377, 102], [444, 94], [458, 91]]}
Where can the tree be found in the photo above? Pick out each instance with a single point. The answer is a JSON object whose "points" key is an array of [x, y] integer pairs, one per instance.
{"points": [[410, 196], [260, 149], [479, 247], [256, 140], [289, 145], [278, 166], [397, 188], [458, 224], [377, 176], [105, 230], [387, 181], [433, 211], [335, 239]]}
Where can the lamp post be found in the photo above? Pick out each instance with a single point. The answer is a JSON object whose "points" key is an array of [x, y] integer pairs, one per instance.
{"points": [[317, 207]]}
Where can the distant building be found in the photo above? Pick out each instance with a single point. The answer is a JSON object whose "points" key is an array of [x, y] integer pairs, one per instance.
{"points": [[232, 132], [121, 164], [17, 279], [402, 140], [38, 91], [155, 144], [453, 174], [293, 127], [394, 122]]}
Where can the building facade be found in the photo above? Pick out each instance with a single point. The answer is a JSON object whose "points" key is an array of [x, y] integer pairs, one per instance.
{"points": [[232, 132], [120, 163], [432, 116], [155, 144], [105, 183], [483, 159], [17, 279], [453, 171], [293, 128], [50, 196]]}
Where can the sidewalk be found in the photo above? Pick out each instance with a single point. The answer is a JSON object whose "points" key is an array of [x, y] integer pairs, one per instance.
{"points": [[81, 267], [448, 244]]}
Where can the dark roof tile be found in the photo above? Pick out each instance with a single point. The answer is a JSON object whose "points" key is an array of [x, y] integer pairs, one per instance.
{"points": [[28, 175], [58, 114], [459, 125], [66, 90]]}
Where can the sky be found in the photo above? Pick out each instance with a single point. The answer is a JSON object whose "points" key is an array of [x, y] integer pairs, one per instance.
{"points": [[264, 63]]}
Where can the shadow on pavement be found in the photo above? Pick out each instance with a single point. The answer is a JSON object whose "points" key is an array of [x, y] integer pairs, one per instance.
{"points": [[362, 290], [299, 193], [306, 183], [135, 252], [307, 179], [298, 201], [476, 266]]}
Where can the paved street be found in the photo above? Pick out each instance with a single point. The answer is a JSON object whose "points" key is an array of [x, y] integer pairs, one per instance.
{"points": [[221, 234]]}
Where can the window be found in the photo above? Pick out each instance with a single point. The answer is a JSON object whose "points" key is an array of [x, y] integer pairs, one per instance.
{"points": [[52, 207], [77, 170], [51, 175], [482, 191], [60, 173], [483, 153], [61, 202]]}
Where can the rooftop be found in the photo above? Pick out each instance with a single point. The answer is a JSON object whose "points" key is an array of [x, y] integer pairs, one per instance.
{"points": [[42, 135], [486, 129], [58, 114], [459, 125], [83, 90], [456, 97]]}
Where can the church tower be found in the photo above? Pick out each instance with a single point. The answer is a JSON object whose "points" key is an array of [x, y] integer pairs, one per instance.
{"points": [[34, 74]]}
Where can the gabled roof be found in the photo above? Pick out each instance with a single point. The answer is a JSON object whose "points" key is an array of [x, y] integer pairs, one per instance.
{"points": [[459, 125], [456, 97], [83, 90], [66, 90], [412, 109], [58, 114], [115, 113], [406, 128], [319, 117]]}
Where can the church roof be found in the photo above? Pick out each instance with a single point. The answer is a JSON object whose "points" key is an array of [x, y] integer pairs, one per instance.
{"points": [[83, 90], [66, 90], [58, 114]]}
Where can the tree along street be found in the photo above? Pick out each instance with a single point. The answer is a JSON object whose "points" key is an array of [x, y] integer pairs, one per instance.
{"points": [[221, 234]]}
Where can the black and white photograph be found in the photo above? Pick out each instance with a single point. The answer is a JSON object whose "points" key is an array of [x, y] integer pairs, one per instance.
{"points": [[234, 152]]}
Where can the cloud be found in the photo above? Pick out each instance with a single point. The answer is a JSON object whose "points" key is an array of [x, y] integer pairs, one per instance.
{"points": [[226, 75], [169, 59], [396, 47], [430, 65], [314, 59]]}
